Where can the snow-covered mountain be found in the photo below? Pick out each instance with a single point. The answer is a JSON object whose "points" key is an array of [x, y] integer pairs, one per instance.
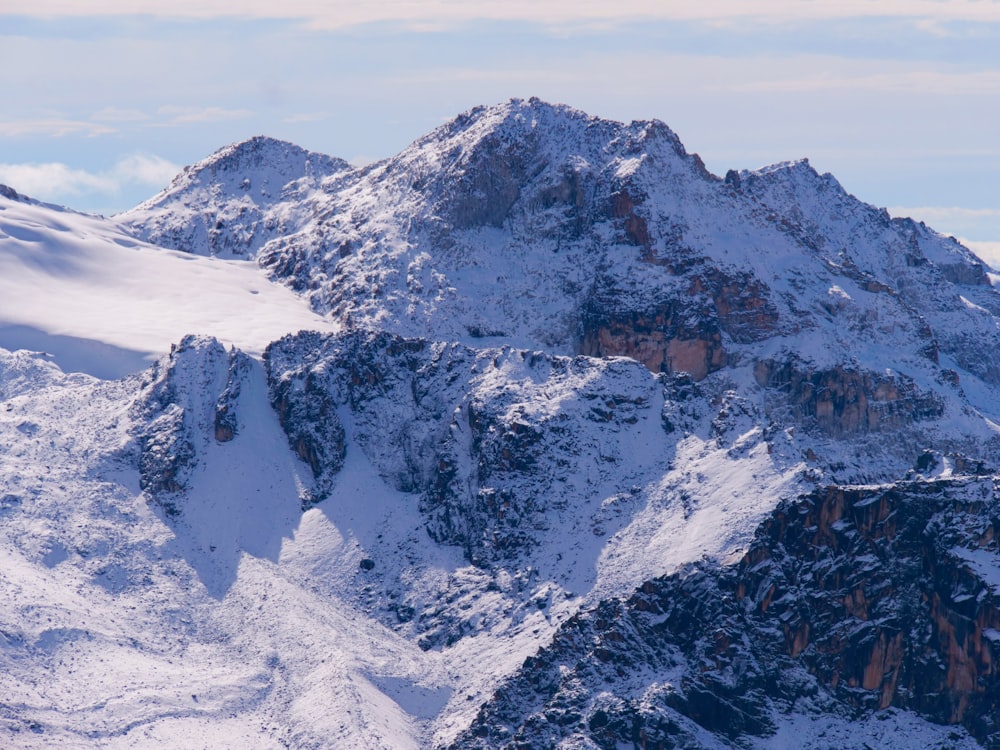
{"points": [[237, 199], [587, 448], [543, 227]]}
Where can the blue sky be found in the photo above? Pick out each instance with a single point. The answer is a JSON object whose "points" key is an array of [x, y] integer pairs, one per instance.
{"points": [[106, 99]]}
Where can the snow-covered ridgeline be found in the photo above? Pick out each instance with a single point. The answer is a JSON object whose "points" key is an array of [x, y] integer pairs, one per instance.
{"points": [[358, 538]]}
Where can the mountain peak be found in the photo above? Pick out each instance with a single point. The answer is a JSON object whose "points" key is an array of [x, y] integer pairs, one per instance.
{"points": [[260, 161], [11, 194], [796, 174], [794, 166], [535, 118], [797, 186], [262, 151], [223, 204], [517, 109], [511, 119]]}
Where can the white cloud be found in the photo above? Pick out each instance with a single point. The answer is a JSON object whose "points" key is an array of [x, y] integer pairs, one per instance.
{"points": [[49, 181], [306, 117], [52, 127], [958, 83], [931, 214], [117, 114], [433, 14], [988, 251], [188, 115], [55, 181], [144, 169]]}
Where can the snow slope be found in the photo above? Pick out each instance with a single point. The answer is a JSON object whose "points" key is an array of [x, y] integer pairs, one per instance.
{"points": [[219, 614], [121, 630], [100, 301], [228, 618]]}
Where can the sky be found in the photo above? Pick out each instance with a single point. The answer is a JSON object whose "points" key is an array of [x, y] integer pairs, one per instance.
{"points": [[105, 100]]}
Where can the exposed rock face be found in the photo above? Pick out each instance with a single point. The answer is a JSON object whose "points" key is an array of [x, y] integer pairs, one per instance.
{"points": [[843, 402], [731, 301], [306, 404], [177, 412], [166, 455], [859, 598], [634, 225], [661, 341], [227, 422], [465, 429], [684, 333], [916, 622], [11, 193]]}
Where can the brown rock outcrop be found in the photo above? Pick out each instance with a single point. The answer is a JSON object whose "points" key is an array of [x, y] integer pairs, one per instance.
{"points": [[683, 333], [871, 597], [841, 401], [623, 206], [661, 341]]}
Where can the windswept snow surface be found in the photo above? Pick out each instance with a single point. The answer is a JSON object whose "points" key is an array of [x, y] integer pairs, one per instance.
{"points": [[99, 301]]}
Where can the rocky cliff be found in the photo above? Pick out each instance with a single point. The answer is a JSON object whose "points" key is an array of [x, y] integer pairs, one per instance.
{"points": [[849, 601]]}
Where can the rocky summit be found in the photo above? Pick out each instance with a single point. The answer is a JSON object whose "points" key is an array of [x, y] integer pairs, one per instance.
{"points": [[596, 450]]}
